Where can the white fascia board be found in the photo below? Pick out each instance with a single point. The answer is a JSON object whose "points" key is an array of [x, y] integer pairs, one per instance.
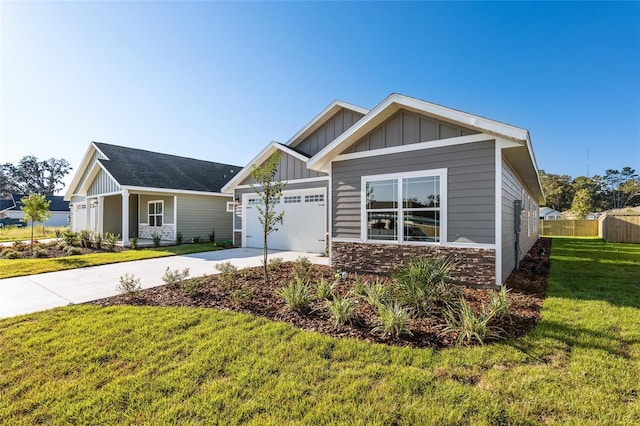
{"points": [[498, 213], [292, 182], [394, 103], [438, 143], [322, 117], [83, 165], [97, 166], [172, 191], [259, 159], [535, 167]]}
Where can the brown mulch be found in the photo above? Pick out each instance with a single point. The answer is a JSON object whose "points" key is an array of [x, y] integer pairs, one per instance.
{"points": [[528, 287]]}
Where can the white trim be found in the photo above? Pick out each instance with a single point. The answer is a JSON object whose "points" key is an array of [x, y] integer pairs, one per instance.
{"points": [[480, 137], [471, 245], [329, 219], [106, 194], [233, 206], [258, 160], [83, 165], [175, 216], [143, 189], [442, 210], [237, 230], [156, 214], [349, 240], [396, 102], [323, 117], [93, 172], [498, 212], [292, 182]]}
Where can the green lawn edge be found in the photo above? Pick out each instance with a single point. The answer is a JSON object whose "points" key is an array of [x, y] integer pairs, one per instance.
{"points": [[150, 365], [10, 268]]}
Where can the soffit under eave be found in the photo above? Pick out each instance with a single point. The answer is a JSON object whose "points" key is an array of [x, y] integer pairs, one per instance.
{"points": [[520, 160]]}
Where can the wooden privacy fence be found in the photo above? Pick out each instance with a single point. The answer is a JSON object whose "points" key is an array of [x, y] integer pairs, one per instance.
{"points": [[569, 228], [621, 228]]}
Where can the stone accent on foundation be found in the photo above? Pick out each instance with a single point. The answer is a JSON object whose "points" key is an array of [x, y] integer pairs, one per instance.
{"points": [[237, 239], [473, 266], [166, 232]]}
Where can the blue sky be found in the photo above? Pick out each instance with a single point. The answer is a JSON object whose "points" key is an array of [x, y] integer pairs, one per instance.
{"points": [[218, 81]]}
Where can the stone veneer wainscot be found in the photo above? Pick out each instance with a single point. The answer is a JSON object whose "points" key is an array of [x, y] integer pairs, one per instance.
{"points": [[166, 232], [472, 266]]}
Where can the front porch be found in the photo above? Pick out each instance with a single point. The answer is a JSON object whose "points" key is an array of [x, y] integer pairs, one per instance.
{"points": [[147, 243]]}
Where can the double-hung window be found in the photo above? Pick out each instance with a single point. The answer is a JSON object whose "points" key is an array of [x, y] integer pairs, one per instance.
{"points": [[404, 207], [156, 213]]}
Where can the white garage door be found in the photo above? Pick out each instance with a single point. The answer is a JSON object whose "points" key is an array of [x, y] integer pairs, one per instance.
{"points": [[303, 227], [79, 217]]}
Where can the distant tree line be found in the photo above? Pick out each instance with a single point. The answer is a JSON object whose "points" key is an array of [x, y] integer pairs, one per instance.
{"points": [[31, 176], [615, 189]]}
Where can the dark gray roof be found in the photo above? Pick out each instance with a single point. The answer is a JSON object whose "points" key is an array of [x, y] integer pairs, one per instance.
{"points": [[58, 204], [137, 167], [7, 204]]}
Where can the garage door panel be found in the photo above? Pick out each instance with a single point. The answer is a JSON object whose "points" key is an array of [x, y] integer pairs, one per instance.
{"points": [[303, 226]]}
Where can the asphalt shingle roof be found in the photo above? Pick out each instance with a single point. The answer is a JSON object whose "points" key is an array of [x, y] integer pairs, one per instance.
{"points": [[58, 204], [137, 167]]}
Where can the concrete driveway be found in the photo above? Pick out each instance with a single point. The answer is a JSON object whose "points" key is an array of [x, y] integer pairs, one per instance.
{"points": [[23, 295]]}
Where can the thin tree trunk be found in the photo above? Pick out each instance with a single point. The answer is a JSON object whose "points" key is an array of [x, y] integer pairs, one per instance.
{"points": [[264, 260], [32, 223]]}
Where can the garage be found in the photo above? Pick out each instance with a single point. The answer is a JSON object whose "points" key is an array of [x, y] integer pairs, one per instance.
{"points": [[303, 227]]}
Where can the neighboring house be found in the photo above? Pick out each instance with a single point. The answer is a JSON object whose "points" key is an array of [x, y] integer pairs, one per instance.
{"points": [[408, 176], [547, 213], [133, 192], [59, 208]]}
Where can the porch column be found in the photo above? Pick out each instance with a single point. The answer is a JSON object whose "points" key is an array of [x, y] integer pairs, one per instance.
{"points": [[100, 218], [175, 217], [88, 204], [125, 218]]}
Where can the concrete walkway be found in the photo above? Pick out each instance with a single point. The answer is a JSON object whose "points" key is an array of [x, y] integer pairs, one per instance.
{"points": [[22, 295]]}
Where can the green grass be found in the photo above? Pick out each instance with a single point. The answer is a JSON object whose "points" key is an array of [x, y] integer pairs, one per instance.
{"points": [[146, 365], [20, 267], [12, 233]]}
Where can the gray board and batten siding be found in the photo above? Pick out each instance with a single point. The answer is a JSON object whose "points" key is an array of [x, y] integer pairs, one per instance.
{"points": [[327, 132], [405, 128], [237, 225], [513, 189], [103, 184], [470, 188]]}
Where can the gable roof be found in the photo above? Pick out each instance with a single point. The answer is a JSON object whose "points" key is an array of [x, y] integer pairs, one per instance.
{"points": [[132, 167], [7, 204], [258, 160], [322, 118], [57, 203], [513, 137]]}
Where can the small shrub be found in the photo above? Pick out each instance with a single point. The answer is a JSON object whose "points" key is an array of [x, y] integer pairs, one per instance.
{"points": [[175, 277], [296, 295], [392, 320], [191, 287], [423, 283], [342, 308], [98, 239], [179, 238], [70, 238], [133, 243], [499, 303], [19, 246], [128, 285], [358, 287], [111, 241], [274, 263], [468, 325], [228, 273], [196, 239], [302, 269], [324, 289], [10, 253], [212, 235], [241, 296], [376, 294], [72, 250], [85, 238], [40, 252], [156, 239]]}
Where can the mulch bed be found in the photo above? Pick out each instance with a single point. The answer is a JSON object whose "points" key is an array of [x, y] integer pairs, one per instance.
{"points": [[528, 288], [53, 249]]}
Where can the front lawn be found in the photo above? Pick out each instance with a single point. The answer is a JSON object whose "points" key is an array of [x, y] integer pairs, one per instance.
{"points": [[13, 233], [20, 267], [150, 365]]}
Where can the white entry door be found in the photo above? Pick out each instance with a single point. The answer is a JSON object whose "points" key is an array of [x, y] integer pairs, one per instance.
{"points": [[303, 227]]}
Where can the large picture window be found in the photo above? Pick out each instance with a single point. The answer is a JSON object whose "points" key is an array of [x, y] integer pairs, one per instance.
{"points": [[404, 208], [156, 213]]}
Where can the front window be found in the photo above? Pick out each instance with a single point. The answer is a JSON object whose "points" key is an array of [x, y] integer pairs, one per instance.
{"points": [[156, 213], [403, 209]]}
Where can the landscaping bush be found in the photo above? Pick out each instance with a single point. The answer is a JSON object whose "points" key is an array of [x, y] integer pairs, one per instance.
{"points": [[425, 283], [156, 239], [9, 253], [274, 263], [133, 243], [20, 246], [179, 238], [175, 277], [296, 295], [228, 273], [72, 250], [392, 320], [128, 285], [196, 240], [375, 294], [468, 325], [98, 239], [342, 309], [191, 287], [40, 252], [212, 236], [303, 269], [241, 296], [499, 302], [111, 241], [324, 289], [70, 238]]}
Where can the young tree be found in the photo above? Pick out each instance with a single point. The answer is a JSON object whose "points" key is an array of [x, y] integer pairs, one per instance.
{"points": [[581, 205], [269, 193], [36, 209]]}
